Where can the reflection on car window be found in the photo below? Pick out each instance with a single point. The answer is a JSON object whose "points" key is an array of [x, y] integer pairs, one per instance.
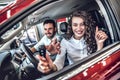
{"points": [[4, 36], [29, 36]]}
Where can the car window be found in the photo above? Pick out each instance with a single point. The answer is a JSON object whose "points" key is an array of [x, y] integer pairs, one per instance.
{"points": [[39, 31], [29, 36], [115, 4], [7, 34], [30, 30]]}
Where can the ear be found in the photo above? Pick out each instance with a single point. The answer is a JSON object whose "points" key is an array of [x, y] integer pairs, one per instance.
{"points": [[56, 29]]}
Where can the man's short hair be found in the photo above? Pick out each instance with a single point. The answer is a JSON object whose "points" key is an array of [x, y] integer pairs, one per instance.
{"points": [[50, 21]]}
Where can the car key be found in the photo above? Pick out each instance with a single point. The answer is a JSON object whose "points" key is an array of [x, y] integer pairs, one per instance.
{"points": [[42, 51]]}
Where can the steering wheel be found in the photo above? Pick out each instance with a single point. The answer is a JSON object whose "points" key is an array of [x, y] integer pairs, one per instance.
{"points": [[29, 54]]}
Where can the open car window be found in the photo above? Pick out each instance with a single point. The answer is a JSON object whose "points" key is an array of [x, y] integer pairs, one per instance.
{"points": [[27, 27]]}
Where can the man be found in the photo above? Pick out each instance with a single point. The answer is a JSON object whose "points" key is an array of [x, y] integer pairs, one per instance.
{"points": [[49, 39], [51, 44]]}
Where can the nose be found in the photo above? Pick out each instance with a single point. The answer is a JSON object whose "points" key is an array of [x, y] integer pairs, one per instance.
{"points": [[47, 31], [79, 27]]}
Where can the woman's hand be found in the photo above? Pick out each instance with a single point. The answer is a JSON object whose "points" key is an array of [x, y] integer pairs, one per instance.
{"points": [[45, 65], [100, 37]]}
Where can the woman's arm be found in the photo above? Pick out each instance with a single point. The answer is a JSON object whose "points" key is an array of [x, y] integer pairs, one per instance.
{"points": [[100, 37]]}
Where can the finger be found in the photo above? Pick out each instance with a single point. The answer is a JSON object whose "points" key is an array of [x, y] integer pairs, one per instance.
{"points": [[104, 37], [58, 47], [54, 41], [43, 69], [102, 34], [49, 47], [48, 58], [101, 38], [96, 29], [44, 63], [40, 58], [59, 51], [49, 61], [46, 71]]}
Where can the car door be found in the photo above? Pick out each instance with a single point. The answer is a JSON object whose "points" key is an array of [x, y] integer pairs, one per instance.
{"points": [[106, 68]]}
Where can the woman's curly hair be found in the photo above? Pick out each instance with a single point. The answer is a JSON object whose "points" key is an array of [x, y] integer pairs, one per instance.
{"points": [[89, 35]]}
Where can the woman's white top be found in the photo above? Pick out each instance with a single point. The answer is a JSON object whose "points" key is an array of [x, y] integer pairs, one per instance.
{"points": [[75, 49]]}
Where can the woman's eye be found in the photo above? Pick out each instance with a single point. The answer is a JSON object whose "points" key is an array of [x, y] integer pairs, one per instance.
{"points": [[82, 24], [75, 25]]}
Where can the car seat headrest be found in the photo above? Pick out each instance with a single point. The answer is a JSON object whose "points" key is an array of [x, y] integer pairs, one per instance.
{"points": [[64, 27]]}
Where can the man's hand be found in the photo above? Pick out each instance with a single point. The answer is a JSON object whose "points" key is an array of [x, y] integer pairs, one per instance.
{"points": [[100, 37], [54, 47], [45, 65]]}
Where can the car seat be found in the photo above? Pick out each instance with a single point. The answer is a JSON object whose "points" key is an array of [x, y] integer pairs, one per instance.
{"points": [[64, 30]]}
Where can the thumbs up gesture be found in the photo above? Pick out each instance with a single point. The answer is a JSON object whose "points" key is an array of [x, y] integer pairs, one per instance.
{"points": [[100, 37]]}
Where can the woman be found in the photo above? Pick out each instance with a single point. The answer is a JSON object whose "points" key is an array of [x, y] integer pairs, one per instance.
{"points": [[85, 39]]}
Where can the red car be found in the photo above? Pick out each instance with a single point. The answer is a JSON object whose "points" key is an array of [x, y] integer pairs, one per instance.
{"points": [[21, 23]]}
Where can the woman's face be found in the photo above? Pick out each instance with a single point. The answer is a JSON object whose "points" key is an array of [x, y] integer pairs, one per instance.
{"points": [[78, 27]]}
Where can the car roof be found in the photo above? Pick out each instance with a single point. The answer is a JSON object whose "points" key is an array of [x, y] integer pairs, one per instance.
{"points": [[51, 8], [55, 10]]}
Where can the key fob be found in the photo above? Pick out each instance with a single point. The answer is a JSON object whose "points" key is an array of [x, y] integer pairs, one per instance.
{"points": [[42, 51]]}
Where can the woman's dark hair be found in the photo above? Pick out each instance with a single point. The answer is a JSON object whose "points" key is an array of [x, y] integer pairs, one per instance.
{"points": [[50, 21], [89, 35]]}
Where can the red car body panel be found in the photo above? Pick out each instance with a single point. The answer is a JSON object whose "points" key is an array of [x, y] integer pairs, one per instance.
{"points": [[13, 9], [103, 70]]}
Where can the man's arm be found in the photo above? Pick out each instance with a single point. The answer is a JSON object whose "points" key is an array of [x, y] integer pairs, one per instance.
{"points": [[53, 48]]}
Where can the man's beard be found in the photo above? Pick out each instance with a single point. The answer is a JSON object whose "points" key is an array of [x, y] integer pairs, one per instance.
{"points": [[50, 37]]}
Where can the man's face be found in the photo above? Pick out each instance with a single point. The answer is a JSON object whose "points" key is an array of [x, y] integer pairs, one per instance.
{"points": [[49, 30]]}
